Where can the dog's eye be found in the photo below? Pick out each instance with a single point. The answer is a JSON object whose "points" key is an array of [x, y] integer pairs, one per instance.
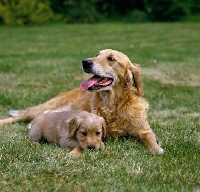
{"points": [[111, 59], [84, 133], [98, 133]]}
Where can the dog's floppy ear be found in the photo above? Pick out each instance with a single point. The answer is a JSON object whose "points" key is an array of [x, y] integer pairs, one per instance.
{"points": [[134, 78], [72, 125], [103, 127]]}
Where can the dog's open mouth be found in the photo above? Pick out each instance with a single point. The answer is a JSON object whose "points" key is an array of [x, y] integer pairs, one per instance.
{"points": [[94, 83]]}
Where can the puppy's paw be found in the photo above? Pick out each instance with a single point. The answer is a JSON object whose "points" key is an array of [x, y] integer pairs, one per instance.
{"points": [[35, 143], [102, 146], [29, 126], [75, 152]]}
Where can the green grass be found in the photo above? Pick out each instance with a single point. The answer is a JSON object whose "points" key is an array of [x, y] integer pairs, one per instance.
{"points": [[37, 63]]}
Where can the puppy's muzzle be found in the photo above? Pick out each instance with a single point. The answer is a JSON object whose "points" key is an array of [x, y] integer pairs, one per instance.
{"points": [[87, 65], [91, 147]]}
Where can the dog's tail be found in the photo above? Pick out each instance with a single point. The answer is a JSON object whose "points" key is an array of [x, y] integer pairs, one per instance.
{"points": [[16, 115], [9, 120], [59, 101]]}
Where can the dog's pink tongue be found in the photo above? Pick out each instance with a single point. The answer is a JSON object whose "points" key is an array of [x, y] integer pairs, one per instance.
{"points": [[89, 83]]}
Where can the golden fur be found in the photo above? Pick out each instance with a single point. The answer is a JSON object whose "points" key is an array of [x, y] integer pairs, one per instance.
{"points": [[117, 97], [76, 129]]}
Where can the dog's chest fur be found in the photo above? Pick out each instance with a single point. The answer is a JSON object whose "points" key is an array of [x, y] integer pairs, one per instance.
{"points": [[119, 112]]}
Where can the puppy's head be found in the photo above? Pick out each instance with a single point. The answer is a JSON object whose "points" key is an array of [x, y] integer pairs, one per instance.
{"points": [[89, 129], [111, 68]]}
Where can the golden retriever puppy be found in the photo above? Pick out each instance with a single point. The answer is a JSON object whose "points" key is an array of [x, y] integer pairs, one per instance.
{"points": [[76, 130], [114, 92]]}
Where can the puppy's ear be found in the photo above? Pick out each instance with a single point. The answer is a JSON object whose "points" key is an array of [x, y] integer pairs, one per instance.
{"points": [[72, 125], [134, 78], [103, 127]]}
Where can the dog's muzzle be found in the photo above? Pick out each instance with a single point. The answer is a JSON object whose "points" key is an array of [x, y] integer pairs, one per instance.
{"points": [[97, 81], [87, 65]]}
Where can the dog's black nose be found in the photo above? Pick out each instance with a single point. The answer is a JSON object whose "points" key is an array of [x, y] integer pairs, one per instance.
{"points": [[91, 147], [87, 65]]}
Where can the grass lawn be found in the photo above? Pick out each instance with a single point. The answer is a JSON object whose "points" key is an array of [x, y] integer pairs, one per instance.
{"points": [[37, 63]]}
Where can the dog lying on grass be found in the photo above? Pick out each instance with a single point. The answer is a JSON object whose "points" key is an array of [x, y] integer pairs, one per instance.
{"points": [[114, 92], [77, 130]]}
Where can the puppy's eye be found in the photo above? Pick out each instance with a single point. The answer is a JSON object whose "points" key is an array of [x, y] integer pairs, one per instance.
{"points": [[84, 133], [111, 59], [98, 133]]}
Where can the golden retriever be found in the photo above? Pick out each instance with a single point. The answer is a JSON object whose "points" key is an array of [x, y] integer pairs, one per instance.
{"points": [[114, 92], [76, 130]]}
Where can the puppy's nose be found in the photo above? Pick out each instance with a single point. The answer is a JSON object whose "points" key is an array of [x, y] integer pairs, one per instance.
{"points": [[87, 65], [91, 147]]}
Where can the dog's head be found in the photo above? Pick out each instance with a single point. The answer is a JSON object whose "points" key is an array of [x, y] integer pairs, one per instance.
{"points": [[111, 68], [89, 129]]}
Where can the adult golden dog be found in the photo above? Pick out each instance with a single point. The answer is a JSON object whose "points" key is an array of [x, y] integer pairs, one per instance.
{"points": [[114, 92]]}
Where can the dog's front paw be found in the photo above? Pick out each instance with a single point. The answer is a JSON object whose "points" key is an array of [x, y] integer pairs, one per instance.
{"points": [[157, 150], [161, 151]]}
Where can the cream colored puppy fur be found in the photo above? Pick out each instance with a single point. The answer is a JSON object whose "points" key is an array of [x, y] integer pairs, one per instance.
{"points": [[75, 129]]}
